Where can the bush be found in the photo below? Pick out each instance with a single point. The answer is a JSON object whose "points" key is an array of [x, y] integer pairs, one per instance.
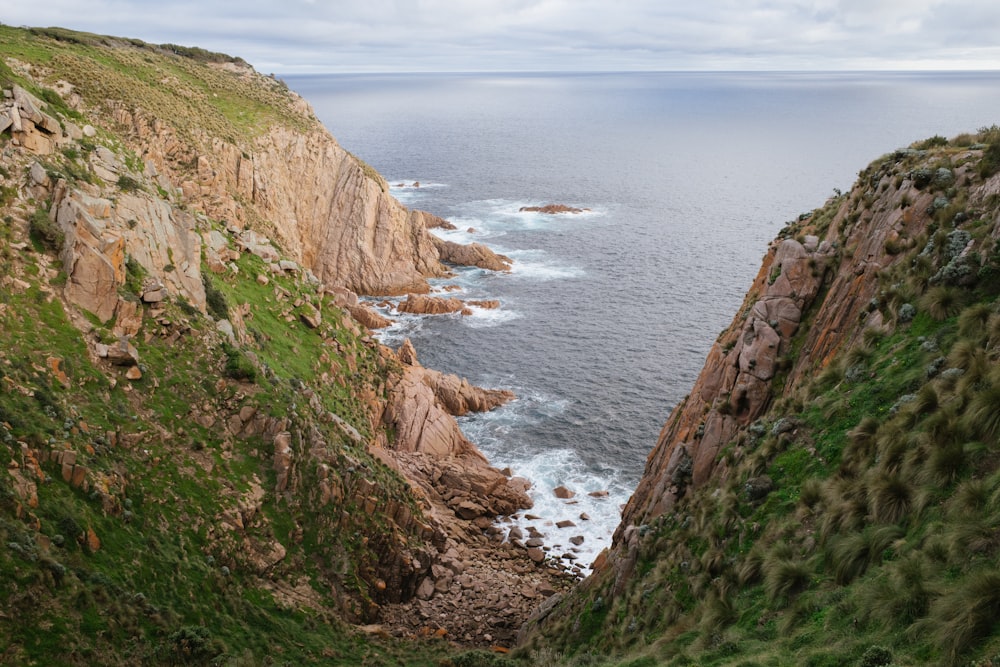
{"points": [[191, 644], [238, 366], [942, 302], [990, 164], [128, 184], [45, 231], [876, 656], [215, 300]]}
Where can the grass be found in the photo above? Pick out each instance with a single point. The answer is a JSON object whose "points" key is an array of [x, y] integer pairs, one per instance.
{"points": [[183, 84], [880, 529]]}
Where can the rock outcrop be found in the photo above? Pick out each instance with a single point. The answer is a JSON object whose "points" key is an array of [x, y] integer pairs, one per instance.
{"points": [[471, 254], [30, 127], [420, 410], [735, 386], [422, 304], [553, 209]]}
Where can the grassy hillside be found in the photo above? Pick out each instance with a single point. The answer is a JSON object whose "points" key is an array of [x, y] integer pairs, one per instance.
{"points": [[146, 513], [858, 523]]}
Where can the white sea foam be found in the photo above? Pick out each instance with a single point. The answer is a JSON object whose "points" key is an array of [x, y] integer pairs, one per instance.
{"points": [[548, 469], [410, 184], [404, 325], [538, 265], [408, 193], [481, 318]]}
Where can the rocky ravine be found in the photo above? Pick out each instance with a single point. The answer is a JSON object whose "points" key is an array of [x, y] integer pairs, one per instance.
{"points": [[337, 228], [834, 280]]}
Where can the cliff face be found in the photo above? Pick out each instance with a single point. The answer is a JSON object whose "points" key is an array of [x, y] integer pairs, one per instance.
{"points": [[816, 495], [833, 281], [181, 377], [328, 211]]}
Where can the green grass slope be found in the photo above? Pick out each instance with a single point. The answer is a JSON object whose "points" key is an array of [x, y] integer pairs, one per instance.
{"points": [[859, 520], [151, 520]]}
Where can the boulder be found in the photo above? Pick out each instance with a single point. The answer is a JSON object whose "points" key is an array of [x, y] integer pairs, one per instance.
{"points": [[563, 493], [472, 254], [367, 316], [122, 353], [421, 304]]}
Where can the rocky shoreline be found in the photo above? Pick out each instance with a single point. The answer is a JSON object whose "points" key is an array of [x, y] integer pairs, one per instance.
{"points": [[451, 570]]}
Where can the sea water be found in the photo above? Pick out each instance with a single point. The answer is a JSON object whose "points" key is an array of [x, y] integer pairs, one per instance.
{"points": [[607, 315]]}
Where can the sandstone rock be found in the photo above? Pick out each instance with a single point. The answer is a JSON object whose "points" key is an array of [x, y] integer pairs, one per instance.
{"points": [[225, 327], [520, 483], [25, 489], [128, 319], [563, 493], [282, 460], [368, 317], [576, 540], [469, 510], [488, 304], [123, 353], [552, 209], [421, 304], [310, 316], [92, 541], [154, 295], [472, 254], [536, 555], [55, 367], [426, 589], [133, 373], [38, 174], [431, 221], [565, 523]]}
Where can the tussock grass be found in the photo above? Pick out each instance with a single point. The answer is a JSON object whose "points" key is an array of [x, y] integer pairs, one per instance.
{"points": [[942, 302], [966, 615]]}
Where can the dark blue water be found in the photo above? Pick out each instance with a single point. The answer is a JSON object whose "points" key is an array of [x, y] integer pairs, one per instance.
{"points": [[607, 318]]}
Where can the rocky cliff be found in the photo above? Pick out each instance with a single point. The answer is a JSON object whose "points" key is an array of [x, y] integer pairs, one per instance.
{"points": [[814, 498], [198, 437]]}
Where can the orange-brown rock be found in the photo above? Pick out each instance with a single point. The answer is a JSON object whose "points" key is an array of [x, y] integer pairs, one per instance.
{"points": [[472, 254], [735, 385], [430, 449], [488, 304], [422, 304], [330, 212], [367, 316], [733, 388], [434, 222], [552, 209]]}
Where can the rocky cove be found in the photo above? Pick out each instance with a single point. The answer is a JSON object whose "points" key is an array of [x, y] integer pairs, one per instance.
{"points": [[165, 211], [209, 457]]}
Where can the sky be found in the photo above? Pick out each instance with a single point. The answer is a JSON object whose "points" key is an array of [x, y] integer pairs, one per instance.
{"points": [[312, 36]]}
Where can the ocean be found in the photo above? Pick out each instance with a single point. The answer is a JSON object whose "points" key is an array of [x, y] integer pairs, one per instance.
{"points": [[607, 316]]}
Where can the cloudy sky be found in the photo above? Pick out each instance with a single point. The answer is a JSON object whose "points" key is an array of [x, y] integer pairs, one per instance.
{"points": [[297, 36]]}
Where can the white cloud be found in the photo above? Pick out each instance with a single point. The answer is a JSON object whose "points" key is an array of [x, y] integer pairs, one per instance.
{"points": [[304, 35]]}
